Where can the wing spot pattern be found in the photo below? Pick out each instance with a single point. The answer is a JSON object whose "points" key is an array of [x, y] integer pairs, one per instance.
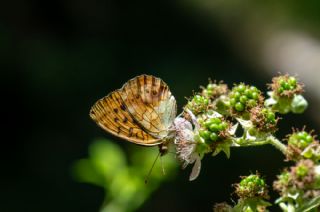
{"points": [[123, 107], [103, 113], [140, 112], [147, 99]]}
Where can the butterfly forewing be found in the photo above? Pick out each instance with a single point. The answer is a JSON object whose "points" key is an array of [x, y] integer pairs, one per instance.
{"points": [[112, 115], [150, 102]]}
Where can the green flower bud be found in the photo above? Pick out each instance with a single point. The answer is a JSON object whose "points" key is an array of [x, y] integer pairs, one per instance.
{"points": [[292, 81], [207, 123], [214, 136], [223, 126], [241, 88], [251, 103], [204, 134], [216, 120], [255, 95], [254, 89], [243, 99], [302, 171], [214, 127], [286, 86], [239, 106], [233, 101], [309, 138], [299, 104], [271, 117], [237, 95], [210, 86]]}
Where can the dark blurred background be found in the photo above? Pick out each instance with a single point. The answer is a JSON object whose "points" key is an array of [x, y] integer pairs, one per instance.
{"points": [[59, 57]]}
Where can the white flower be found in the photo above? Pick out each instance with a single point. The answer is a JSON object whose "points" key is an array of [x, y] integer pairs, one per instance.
{"points": [[186, 146]]}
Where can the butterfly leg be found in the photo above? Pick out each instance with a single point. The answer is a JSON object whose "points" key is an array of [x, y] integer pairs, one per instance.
{"points": [[163, 148]]}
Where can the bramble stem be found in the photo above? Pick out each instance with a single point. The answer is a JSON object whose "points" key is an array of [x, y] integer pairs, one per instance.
{"points": [[269, 140], [278, 144]]}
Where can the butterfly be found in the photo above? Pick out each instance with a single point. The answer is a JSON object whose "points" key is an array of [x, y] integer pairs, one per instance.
{"points": [[141, 112]]}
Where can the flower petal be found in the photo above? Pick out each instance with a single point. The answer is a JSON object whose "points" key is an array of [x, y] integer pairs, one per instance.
{"points": [[196, 168]]}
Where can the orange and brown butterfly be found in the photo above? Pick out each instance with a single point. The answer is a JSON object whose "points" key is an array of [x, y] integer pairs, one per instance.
{"points": [[141, 112]]}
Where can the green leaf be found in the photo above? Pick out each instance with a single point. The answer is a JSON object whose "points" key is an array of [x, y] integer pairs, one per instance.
{"points": [[84, 171], [245, 124], [225, 147], [107, 158]]}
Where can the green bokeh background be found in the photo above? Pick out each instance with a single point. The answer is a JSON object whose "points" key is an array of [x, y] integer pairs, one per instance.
{"points": [[58, 58]]}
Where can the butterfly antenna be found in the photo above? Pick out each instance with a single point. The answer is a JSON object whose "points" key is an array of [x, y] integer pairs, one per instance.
{"points": [[150, 171]]}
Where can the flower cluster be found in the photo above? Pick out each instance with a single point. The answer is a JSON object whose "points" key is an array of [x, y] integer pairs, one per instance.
{"points": [[264, 119], [302, 145], [299, 186], [198, 104], [286, 86], [213, 129], [285, 95], [252, 186], [214, 90], [252, 192], [216, 113], [244, 97], [300, 139], [209, 124]]}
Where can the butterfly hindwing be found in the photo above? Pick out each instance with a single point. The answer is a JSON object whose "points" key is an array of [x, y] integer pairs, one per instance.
{"points": [[151, 104], [112, 115]]}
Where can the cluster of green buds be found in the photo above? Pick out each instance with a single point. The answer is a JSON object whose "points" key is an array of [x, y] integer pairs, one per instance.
{"points": [[286, 86], [282, 184], [252, 186], [214, 90], [300, 139], [244, 97], [302, 144], [252, 192], [198, 104], [301, 171], [213, 129], [264, 119], [218, 112], [286, 95], [298, 186], [244, 107]]}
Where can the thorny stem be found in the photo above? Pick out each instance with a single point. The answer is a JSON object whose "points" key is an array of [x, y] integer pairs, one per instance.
{"points": [[269, 140], [278, 144]]}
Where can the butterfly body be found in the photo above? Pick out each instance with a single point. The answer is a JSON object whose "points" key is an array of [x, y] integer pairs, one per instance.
{"points": [[141, 112]]}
